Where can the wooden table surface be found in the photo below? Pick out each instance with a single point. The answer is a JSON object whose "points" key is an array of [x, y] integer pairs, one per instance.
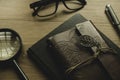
{"points": [[16, 15]]}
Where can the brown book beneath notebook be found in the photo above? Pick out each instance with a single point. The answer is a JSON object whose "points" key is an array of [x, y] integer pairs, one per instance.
{"points": [[82, 54]]}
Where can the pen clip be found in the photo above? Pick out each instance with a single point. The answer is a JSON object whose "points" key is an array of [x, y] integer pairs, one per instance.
{"points": [[112, 16], [109, 15]]}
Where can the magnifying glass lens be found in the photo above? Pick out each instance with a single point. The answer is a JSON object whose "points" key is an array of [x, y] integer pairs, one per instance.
{"points": [[9, 45]]}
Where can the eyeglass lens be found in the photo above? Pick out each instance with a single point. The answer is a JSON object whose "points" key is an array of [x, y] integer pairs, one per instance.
{"points": [[47, 9], [73, 4]]}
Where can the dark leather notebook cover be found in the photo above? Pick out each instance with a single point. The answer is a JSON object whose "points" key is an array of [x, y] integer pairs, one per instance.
{"points": [[40, 54]]}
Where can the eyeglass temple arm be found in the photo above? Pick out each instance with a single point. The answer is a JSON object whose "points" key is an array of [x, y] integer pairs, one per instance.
{"points": [[41, 3], [83, 2], [36, 11]]}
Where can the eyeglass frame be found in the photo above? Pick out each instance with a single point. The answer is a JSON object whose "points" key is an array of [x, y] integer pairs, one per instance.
{"points": [[37, 5]]}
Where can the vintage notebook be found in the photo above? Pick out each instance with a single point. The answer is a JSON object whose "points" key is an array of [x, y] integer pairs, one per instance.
{"points": [[84, 55], [39, 52]]}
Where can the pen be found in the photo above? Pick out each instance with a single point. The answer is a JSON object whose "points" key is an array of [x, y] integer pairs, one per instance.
{"points": [[112, 17]]}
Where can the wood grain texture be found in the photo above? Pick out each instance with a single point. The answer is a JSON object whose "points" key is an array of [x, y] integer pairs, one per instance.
{"points": [[16, 14]]}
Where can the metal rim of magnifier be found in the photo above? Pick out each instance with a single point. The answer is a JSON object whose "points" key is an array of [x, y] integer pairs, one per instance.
{"points": [[20, 42]]}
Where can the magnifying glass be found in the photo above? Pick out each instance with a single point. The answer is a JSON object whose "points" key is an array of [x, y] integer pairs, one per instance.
{"points": [[10, 49]]}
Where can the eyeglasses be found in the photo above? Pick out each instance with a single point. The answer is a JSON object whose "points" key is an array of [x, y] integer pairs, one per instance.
{"points": [[45, 8]]}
